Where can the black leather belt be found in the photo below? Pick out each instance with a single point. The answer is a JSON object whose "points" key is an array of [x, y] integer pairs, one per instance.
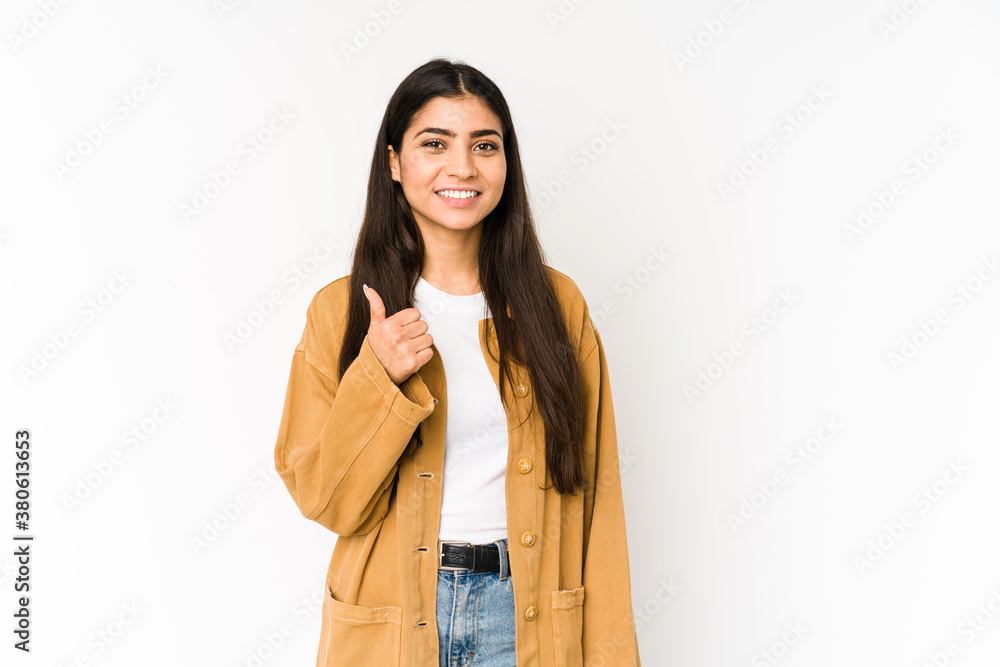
{"points": [[468, 556]]}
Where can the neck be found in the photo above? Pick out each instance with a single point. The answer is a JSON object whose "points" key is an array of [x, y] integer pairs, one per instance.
{"points": [[451, 259]]}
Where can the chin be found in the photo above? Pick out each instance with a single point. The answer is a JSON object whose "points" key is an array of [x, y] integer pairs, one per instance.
{"points": [[460, 225]]}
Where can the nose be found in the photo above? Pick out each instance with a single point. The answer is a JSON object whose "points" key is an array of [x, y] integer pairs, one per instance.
{"points": [[462, 165]]}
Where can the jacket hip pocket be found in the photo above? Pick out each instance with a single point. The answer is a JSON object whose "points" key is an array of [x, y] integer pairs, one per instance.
{"points": [[353, 635], [567, 626]]}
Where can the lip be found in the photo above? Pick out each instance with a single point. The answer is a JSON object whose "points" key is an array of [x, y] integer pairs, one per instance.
{"points": [[459, 203]]}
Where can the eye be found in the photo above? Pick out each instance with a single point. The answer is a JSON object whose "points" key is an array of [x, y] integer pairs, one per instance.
{"points": [[490, 146]]}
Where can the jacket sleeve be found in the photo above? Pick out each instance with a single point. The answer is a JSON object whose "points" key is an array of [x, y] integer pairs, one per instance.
{"points": [[609, 635], [339, 442]]}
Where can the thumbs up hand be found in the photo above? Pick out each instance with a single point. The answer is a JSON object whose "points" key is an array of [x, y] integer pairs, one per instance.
{"points": [[400, 342]]}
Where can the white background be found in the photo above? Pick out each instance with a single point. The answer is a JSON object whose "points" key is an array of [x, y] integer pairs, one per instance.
{"points": [[705, 591]]}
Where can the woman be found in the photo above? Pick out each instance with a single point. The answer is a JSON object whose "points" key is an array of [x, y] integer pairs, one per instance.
{"points": [[449, 416]]}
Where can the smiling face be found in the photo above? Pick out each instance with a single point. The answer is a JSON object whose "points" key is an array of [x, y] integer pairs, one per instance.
{"points": [[452, 150]]}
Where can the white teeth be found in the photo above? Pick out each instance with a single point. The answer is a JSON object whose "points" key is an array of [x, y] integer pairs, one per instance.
{"points": [[458, 194]]}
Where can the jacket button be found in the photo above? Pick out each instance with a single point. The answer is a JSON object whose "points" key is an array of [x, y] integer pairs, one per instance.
{"points": [[530, 613], [521, 389], [528, 538], [524, 465]]}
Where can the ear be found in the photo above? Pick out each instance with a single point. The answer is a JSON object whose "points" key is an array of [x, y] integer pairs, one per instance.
{"points": [[394, 164]]}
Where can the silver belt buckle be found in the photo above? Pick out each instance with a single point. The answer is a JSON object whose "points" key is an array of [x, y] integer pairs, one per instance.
{"points": [[441, 555]]}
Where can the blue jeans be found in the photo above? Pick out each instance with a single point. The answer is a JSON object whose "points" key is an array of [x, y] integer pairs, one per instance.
{"points": [[475, 616]]}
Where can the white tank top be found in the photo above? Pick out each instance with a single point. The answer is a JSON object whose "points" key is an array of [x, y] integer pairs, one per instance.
{"points": [[474, 502]]}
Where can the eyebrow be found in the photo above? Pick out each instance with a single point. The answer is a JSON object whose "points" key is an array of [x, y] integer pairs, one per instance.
{"points": [[475, 134]]}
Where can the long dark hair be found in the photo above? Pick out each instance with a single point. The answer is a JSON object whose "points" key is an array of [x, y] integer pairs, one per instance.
{"points": [[389, 256]]}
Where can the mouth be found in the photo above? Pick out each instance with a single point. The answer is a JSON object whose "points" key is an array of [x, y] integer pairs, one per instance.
{"points": [[459, 198], [458, 194]]}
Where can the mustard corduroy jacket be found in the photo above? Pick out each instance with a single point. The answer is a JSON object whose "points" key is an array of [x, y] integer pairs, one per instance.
{"points": [[338, 451]]}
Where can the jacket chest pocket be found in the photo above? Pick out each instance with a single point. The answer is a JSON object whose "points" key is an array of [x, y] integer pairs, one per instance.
{"points": [[353, 635], [567, 626]]}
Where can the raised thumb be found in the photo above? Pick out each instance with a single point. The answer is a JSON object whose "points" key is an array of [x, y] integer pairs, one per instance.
{"points": [[375, 304]]}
